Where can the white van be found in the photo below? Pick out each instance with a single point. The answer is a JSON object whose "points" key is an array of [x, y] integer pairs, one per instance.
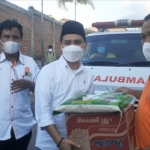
{"points": [[124, 65]]}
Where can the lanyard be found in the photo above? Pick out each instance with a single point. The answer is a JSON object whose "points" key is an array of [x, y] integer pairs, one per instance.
{"points": [[14, 70]]}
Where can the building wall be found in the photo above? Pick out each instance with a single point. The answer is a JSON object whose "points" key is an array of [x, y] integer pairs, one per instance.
{"points": [[31, 22]]}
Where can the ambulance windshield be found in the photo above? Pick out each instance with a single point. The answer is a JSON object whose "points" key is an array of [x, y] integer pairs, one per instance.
{"points": [[114, 50]]}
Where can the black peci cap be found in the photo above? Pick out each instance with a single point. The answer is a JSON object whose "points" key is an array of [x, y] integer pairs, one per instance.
{"points": [[72, 27]]}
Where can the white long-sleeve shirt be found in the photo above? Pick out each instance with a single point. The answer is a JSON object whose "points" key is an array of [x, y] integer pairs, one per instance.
{"points": [[15, 110], [56, 83]]}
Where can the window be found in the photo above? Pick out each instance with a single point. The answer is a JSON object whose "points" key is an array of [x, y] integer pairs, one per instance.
{"points": [[119, 48]]}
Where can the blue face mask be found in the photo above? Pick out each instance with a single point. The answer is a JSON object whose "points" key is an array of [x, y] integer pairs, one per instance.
{"points": [[101, 50]]}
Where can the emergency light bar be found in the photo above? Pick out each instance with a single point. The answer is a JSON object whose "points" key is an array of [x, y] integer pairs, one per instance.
{"points": [[118, 24]]}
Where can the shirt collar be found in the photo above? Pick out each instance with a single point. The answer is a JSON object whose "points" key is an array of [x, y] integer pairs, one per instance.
{"points": [[3, 57], [65, 65], [21, 58]]}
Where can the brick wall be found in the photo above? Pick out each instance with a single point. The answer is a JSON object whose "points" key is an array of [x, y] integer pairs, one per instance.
{"points": [[11, 11], [31, 44]]}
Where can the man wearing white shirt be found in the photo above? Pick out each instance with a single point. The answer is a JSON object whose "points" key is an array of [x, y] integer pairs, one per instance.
{"points": [[56, 83], [17, 75]]}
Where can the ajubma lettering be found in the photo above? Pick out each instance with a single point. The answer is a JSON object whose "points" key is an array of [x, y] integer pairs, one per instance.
{"points": [[92, 120], [119, 79], [108, 142]]}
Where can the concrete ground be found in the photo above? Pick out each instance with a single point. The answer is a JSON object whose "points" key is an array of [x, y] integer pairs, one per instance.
{"points": [[32, 141]]}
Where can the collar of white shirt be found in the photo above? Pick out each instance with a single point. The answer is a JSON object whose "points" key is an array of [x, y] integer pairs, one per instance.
{"points": [[3, 57], [63, 63]]}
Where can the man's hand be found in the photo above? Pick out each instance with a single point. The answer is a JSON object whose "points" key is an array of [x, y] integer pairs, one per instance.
{"points": [[68, 144], [124, 89], [22, 84], [136, 93]]}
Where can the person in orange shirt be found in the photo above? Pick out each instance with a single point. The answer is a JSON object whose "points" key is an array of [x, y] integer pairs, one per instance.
{"points": [[142, 116]]}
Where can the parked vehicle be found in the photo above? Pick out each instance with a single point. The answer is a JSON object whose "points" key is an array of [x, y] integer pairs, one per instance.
{"points": [[124, 64]]}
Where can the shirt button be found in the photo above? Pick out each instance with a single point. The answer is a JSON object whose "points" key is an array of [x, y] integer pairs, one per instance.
{"points": [[11, 119], [12, 93], [12, 106]]}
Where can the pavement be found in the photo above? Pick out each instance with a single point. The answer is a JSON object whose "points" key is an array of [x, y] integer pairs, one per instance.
{"points": [[34, 129], [32, 141]]}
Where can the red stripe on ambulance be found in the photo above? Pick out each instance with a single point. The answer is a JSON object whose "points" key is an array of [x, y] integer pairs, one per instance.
{"points": [[120, 79]]}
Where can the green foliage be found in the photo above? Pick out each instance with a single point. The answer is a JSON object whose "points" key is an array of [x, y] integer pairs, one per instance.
{"points": [[63, 20], [62, 3]]}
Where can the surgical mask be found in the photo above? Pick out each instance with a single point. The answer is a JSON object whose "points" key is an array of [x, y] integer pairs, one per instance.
{"points": [[72, 53], [101, 50], [11, 47], [146, 50], [50, 50]]}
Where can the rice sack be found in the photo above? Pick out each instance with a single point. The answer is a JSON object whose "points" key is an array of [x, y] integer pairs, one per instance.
{"points": [[106, 102]]}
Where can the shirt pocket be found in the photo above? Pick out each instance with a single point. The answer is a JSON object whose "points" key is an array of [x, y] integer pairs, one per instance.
{"points": [[83, 86], [22, 100], [28, 78]]}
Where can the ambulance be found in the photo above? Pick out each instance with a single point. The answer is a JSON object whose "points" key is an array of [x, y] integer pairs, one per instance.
{"points": [[115, 59]]}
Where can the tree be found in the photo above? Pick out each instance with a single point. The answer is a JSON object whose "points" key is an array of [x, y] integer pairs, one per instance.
{"points": [[61, 3], [50, 16], [63, 20]]}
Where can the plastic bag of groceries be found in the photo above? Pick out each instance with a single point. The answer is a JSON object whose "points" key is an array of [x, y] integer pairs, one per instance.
{"points": [[106, 102]]}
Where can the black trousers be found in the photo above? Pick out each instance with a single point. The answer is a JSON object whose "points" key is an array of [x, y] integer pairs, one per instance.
{"points": [[13, 144]]}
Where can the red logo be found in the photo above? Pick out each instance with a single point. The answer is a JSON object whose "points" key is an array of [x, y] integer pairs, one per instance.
{"points": [[27, 69]]}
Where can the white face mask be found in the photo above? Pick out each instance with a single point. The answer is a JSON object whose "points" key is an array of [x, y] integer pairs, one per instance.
{"points": [[72, 53], [50, 50], [146, 50], [11, 47]]}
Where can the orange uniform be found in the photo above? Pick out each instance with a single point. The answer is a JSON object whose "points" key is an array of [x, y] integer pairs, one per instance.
{"points": [[142, 118]]}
